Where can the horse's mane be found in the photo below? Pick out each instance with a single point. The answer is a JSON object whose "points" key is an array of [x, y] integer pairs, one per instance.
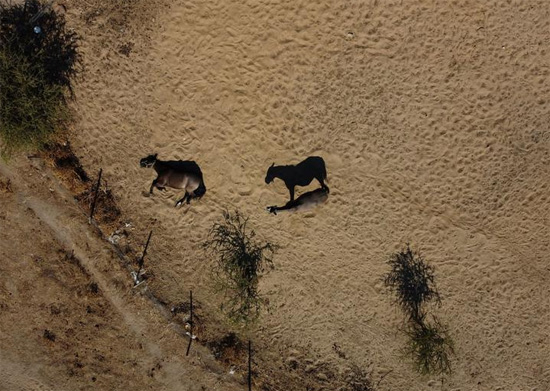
{"points": [[286, 166]]}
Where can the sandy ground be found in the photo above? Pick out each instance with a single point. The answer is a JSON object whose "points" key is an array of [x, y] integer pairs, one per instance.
{"points": [[432, 117]]}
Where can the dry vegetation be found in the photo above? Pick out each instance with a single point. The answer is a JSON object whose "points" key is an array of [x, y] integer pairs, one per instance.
{"points": [[38, 60], [432, 121]]}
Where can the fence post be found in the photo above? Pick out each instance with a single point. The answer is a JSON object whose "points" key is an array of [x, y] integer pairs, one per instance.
{"points": [[95, 195], [190, 323], [142, 259]]}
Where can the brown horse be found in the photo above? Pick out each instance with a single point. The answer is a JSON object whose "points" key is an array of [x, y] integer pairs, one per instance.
{"points": [[180, 174], [300, 174], [304, 202]]}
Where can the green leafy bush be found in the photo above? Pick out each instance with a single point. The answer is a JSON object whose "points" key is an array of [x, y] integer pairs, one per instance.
{"points": [[430, 347], [38, 59], [240, 262], [412, 281]]}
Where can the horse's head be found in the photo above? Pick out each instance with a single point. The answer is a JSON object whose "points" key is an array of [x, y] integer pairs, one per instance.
{"points": [[148, 161], [270, 174]]}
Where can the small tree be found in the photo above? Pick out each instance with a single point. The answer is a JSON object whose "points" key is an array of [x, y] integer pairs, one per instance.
{"points": [[431, 347], [38, 59], [412, 281], [240, 262]]}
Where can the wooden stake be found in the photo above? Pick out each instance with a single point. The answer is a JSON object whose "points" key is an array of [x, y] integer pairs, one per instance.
{"points": [[96, 194], [190, 323], [142, 259]]}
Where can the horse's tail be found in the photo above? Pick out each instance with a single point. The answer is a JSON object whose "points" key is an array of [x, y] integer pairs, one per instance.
{"points": [[324, 171], [201, 190]]}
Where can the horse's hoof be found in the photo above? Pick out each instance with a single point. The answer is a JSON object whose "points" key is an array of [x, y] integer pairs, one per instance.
{"points": [[178, 203]]}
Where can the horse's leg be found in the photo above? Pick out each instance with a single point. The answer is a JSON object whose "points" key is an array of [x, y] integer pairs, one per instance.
{"points": [[192, 195], [154, 184], [183, 199], [291, 190], [321, 181], [180, 201], [187, 197]]}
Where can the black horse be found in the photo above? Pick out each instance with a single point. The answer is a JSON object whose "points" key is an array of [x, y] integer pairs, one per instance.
{"points": [[300, 174], [178, 174]]}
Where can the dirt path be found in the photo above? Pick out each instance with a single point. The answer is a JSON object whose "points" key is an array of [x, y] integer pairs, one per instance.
{"points": [[36, 189], [19, 376]]}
